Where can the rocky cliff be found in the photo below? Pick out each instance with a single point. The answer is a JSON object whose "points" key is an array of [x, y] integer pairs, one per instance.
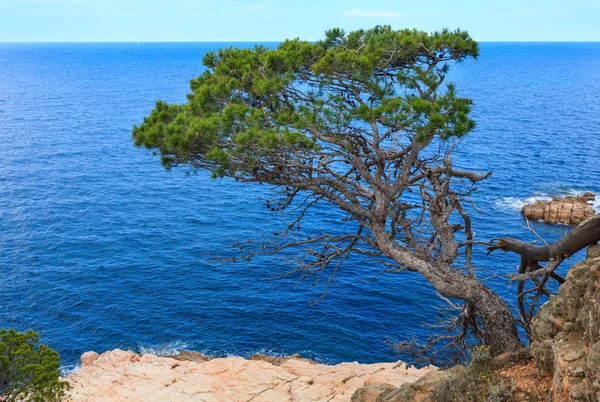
{"points": [[566, 334], [125, 376], [569, 211]]}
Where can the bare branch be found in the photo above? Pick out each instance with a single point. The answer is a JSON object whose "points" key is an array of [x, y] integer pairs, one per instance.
{"points": [[548, 269]]}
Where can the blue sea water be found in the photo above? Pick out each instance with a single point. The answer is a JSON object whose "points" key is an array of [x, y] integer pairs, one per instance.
{"points": [[101, 248]]}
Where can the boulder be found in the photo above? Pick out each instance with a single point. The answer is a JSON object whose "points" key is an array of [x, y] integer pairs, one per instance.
{"points": [[189, 356], [372, 393], [418, 391], [593, 252], [571, 210], [88, 358], [278, 360]]}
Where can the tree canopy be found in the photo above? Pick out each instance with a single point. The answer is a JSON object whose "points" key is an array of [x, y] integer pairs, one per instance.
{"points": [[253, 106]]}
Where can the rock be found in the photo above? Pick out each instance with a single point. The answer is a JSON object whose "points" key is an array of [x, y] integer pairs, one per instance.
{"points": [[278, 360], [421, 390], [593, 252], [569, 211], [566, 334], [572, 354], [88, 358], [544, 356], [372, 393], [189, 356], [512, 357], [125, 376], [418, 391]]}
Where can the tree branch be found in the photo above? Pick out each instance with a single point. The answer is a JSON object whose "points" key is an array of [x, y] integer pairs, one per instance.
{"points": [[586, 234]]}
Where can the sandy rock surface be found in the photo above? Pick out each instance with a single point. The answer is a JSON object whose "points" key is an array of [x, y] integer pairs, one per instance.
{"points": [[125, 376]]}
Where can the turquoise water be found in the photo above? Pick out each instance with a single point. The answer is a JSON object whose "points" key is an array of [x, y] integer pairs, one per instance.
{"points": [[101, 248]]}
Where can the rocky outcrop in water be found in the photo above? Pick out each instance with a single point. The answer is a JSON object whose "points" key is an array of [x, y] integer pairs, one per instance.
{"points": [[125, 376], [572, 210], [566, 334]]}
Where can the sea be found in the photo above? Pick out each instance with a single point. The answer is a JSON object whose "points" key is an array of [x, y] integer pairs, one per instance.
{"points": [[101, 248]]}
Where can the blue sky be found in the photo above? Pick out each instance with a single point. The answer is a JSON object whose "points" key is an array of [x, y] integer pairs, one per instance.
{"points": [[255, 20]]}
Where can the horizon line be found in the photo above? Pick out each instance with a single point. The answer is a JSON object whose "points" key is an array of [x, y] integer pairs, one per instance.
{"points": [[269, 41]]}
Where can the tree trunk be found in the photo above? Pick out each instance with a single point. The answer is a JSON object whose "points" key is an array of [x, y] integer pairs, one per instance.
{"points": [[500, 329]]}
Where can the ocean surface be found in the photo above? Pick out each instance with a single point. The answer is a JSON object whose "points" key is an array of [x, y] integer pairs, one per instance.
{"points": [[101, 248]]}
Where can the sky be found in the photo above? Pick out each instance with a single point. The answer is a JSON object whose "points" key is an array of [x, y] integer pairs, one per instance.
{"points": [[275, 20]]}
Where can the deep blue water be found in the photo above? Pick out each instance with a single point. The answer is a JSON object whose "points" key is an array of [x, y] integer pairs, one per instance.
{"points": [[101, 248]]}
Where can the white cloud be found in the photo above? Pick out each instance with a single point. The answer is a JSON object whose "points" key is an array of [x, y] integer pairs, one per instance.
{"points": [[358, 13]]}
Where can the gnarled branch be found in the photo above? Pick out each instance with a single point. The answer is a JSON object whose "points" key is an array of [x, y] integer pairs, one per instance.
{"points": [[586, 234]]}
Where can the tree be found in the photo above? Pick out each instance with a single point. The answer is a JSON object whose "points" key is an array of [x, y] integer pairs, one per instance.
{"points": [[360, 121], [29, 371]]}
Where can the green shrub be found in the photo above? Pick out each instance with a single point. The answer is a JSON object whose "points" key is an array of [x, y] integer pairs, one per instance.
{"points": [[29, 371]]}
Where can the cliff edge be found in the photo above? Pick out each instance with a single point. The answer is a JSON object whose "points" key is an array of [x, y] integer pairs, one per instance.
{"points": [[126, 376]]}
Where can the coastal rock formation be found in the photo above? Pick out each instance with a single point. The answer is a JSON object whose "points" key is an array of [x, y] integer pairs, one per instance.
{"points": [[520, 382], [569, 211], [186, 355], [125, 376], [418, 391], [279, 360], [566, 333]]}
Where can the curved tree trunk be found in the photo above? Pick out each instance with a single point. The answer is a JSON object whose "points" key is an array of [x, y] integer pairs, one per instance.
{"points": [[500, 329], [499, 324]]}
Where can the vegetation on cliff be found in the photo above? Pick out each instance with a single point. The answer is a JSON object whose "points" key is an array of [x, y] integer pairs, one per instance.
{"points": [[29, 371]]}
